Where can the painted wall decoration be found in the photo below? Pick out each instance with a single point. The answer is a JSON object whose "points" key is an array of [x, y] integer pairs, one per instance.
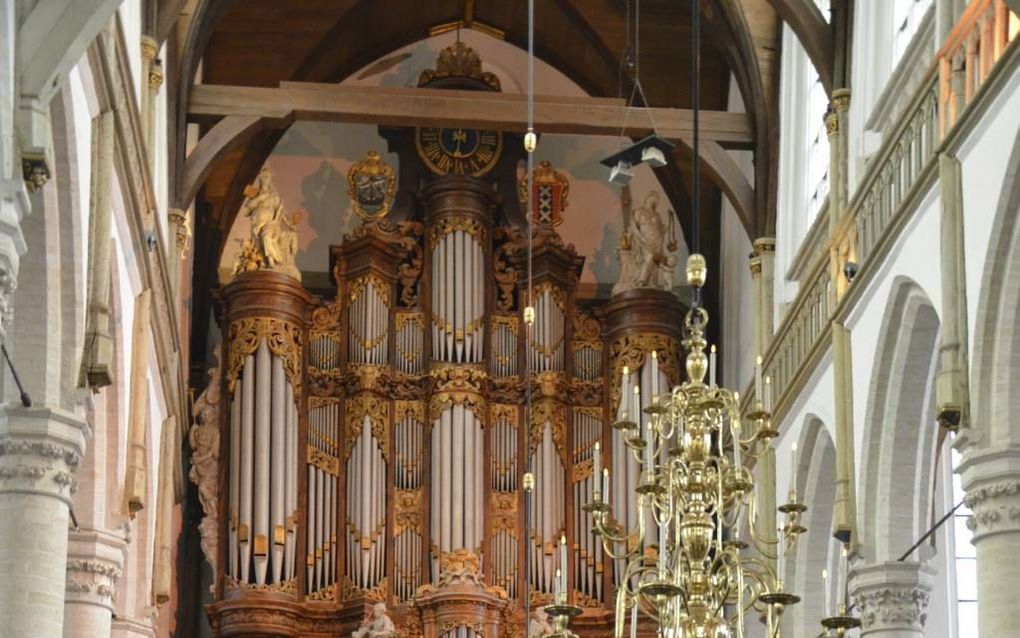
{"points": [[311, 162]]}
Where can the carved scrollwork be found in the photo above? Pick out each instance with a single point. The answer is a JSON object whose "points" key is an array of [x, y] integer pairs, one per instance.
{"points": [[287, 586], [407, 511], [632, 350], [587, 331], [509, 244], [460, 565], [282, 337], [204, 438], [551, 412], [457, 385], [358, 286], [378, 412], [586, 393], [503, 510], [447, 225]]}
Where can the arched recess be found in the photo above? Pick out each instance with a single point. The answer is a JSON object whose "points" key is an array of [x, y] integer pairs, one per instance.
{"points": [[898, 453], [816, 488], [47, 333], [995, 380]]}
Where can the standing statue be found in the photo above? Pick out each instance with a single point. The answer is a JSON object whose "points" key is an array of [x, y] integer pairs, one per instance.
{"points": [[648, 248], [378, 625], [204, 437], [273, 242]]}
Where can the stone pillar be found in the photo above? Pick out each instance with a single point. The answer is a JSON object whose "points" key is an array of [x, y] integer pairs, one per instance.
{"points": [[95, 559], [991, 479], [40, 448], [892, 598], [14, 205], [840, 186]]}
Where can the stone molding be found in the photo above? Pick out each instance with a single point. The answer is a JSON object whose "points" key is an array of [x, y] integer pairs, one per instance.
{"points": [[40, 450], [95, 560], [892, 596], [991, 479]]}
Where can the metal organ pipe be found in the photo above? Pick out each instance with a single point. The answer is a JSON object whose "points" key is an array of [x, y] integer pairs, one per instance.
{"points": [[247, 463], [235, 474], [277, 475]]}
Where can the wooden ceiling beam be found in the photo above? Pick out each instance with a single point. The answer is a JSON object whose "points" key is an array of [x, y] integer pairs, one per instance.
{"points": [[296, 101], [814, 34]]}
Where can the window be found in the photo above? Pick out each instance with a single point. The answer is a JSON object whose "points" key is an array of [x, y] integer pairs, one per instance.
{"points": [[907, 15], [965, 562], [818, 149]]}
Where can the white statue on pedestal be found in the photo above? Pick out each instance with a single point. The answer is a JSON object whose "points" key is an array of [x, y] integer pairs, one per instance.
{"points": [[648, 248], [378, 625]]}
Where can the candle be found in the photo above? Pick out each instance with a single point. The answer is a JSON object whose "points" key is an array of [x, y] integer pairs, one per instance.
{"points": [[557, 593], [711, 367], [663, 550], [605, 484], [736, 441], [841, 592], [768, 394], [635, 405], [563, 562], [624, 398], [828, 593], [596, 473], [793, 473], [757, 379], [633, 620], [655, 374], [780, 558]]}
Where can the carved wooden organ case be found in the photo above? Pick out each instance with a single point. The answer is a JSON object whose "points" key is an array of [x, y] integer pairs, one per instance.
{"points": [[375, 442]]}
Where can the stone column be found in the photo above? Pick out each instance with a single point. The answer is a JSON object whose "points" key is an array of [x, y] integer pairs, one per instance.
{"points": [[14, 205], [40, 448], [95, 559], [892, 598], [991, 479]]}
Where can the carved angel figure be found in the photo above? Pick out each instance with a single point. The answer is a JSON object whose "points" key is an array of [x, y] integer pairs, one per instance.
{"points": [[378, 625], [273, 241], [539, 625], [648, 248], [204, 437]]}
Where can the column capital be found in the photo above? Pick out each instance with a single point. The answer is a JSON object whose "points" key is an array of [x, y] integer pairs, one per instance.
{"points": [[40, 449], [764, 245], [892, 596], [841, 99], [991, 479], [95, 559]]}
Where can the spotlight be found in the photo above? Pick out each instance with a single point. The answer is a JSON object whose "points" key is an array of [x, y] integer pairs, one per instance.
{"points": [[620, 174], [652, 149], [850, 270]]}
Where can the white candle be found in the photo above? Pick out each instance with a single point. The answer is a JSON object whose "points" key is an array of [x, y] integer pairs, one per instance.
{"points": [[635, 404], [596, 473], [781, 557], [768, 394], [841, 593], [757, 379], [711, 367], [655, 374], [563, 561], [736, 441], [556, 588], [793, 472], [605, 484], [828, 593], [624, 396], [633, 620]]}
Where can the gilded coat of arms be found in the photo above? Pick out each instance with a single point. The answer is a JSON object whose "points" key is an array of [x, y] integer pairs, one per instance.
{"points": [[370, 185]]}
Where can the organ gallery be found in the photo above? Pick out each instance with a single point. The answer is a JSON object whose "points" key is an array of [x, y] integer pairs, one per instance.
{"points": [[376, 439]]}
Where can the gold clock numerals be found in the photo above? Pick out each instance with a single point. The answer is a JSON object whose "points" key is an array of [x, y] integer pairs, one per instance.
{"points": [[461, 158]]}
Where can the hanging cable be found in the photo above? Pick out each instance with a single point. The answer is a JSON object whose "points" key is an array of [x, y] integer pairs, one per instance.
{"points": [[530, 143], [696, 157]]}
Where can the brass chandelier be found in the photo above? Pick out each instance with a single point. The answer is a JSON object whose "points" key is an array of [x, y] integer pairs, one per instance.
{"points": [[685, 563]]}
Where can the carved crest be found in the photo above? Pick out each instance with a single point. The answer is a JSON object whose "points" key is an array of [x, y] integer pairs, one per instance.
{"points": [[370, 185], [458, 61], [549, 191]]}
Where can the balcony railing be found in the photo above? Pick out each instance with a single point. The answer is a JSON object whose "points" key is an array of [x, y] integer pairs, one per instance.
{"points": [[896, 177]]}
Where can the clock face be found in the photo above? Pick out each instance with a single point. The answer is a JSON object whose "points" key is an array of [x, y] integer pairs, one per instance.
{"points": [[458, 151]]}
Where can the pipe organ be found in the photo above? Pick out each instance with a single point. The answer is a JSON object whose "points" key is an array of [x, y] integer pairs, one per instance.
{"points": [[377, 437]]}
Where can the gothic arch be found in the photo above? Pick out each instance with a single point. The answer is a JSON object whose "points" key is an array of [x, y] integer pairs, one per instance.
{"points": [[899, 427], [48, 328], [995, 374], [816, 487]]}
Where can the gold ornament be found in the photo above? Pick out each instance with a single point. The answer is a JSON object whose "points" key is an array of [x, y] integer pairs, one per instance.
{"points": [[371, 183]]}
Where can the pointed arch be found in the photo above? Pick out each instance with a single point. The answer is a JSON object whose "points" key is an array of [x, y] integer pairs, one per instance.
{"points": [[995, 377], [899, 427]]}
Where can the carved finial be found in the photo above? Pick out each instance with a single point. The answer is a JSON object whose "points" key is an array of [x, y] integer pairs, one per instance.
{"points": [[458, 61]]}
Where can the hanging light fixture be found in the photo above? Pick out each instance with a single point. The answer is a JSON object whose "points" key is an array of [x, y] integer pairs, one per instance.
{"points": [[652, 149], [685, 564]]}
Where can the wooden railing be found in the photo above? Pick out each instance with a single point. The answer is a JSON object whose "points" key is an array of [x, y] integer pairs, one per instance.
{"points": [[973, 47], [888, 192]]}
